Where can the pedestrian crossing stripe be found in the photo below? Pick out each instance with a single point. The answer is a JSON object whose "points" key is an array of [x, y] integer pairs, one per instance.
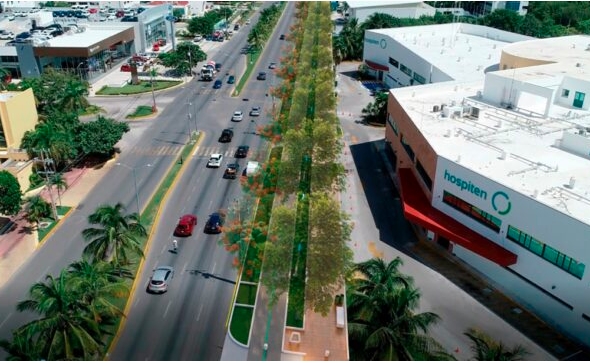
{"points": [[208, 150], [156, 150]]}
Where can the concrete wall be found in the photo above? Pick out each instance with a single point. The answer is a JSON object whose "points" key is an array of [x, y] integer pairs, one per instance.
{"points": [[18, 114]]}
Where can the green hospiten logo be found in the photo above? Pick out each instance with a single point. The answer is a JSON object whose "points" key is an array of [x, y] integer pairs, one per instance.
{"points": [[500, 200]]}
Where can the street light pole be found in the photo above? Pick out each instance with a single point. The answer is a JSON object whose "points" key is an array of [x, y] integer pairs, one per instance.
{"points": [[133, 170]]}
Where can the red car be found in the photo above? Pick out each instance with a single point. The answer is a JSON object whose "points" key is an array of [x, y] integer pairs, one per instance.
{"points": [[155, 47], [126, 67], [185, 226]]}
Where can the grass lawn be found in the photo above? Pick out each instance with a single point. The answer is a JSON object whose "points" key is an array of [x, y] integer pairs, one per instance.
{"points": [[247, 294], [141, 111], [250, 65], [240, 323], [42, 232], [90, 110], [130, 89]]}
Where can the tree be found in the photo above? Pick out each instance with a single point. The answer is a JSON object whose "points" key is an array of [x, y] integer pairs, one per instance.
{"points": [[503, 19], [37, 209], [328, 257], [485, 348], [180, 60], [381, 319], [376, 112], [201, 25], [64, 330], [98, 282], [10, 194], [99, 136], [380, 21], [119, 234], [22, 347], [4, 78], [57, 180]]}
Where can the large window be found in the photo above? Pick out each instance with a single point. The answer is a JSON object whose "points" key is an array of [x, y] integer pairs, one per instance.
{"points": [[472, 211], [393, 124], [418, 78], [408, 148], [406, 70], [548, 253], [393, 62], [423, 174]]}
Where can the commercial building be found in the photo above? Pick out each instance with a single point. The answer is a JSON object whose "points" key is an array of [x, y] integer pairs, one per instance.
{"points": [[521, 7], [492, 161], [18, 114], [361, 9]]}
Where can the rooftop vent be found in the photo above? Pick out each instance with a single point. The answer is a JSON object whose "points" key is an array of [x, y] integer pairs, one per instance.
{"points": [[503, 155], [572, 183], [588, 47], [578, 65], [448, 133]]}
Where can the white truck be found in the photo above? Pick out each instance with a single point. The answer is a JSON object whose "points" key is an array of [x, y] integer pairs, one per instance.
{"points": [[207, 74]]}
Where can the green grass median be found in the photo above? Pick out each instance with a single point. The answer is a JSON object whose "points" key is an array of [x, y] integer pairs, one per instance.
{"points": [[131, 89]]}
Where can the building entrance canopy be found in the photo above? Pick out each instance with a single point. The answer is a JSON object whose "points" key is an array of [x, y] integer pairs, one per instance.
{"points": [[417, 209]]}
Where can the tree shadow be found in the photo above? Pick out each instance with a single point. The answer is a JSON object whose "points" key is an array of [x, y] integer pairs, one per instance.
{"points": [[26, 229], [350, 74]]}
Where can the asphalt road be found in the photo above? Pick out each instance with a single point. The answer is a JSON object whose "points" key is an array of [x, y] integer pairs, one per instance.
{"points": [[170, 326]]}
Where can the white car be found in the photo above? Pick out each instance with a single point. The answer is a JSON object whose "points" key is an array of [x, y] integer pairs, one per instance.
{"points": [[238, 116], [112, 17], [7, 35], [160, 279], [215, 161]]}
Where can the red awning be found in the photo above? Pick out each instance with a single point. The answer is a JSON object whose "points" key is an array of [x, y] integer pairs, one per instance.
{"points": [[417, 209], [377, 66]]}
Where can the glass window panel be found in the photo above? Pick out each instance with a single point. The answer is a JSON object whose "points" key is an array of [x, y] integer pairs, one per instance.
{"points": [[550, 254]]}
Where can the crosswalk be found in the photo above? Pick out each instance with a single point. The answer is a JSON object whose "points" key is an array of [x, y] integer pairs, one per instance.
{"points": [[201, 151]]}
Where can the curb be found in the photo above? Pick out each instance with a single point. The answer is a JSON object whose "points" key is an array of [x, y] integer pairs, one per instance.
{"points": [[55, 228], [147, 248]]}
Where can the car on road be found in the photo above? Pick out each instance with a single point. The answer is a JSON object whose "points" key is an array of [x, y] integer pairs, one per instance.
{"points": [[217, 84], [198, 38], [214, 223], [160, 279], [231, 79], [242, 151], [272, 65], [217, 67], [215, 161], [282, 37], [4, 35], [237, 116], [125, 67], [255, 111], [185, 225], [261, 76], [226, 135], [231, 171]]}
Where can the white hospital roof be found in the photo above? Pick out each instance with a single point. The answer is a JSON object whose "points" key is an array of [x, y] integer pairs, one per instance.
{"points": [[462, 52], [532, 164], [378, 3]]}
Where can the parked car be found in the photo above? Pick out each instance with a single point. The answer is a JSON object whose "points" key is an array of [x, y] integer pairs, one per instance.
{"points": [[231, 79], [11, 17], [231, 171], [242, 151], [237, 116], [226, 135], [197, 38], [214, 223], [125, 67], [255, 111], [5, 35], [185, 225], [160, 279], [261, 76], [236, 27], [215, 161], [217, 84], [112, 17]]}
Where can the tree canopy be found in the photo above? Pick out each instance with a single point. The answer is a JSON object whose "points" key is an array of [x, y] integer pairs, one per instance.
{"points": [[99, 136], [179, 59], [10, 194]]}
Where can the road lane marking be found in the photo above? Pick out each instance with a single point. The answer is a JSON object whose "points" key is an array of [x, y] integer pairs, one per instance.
{"points": [[213, 268], [43, 274], [167, 307], [184, 268], [136, 302], [199, 314], [5, 320]]}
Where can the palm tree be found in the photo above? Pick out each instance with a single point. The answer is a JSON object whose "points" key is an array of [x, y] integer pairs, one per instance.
{"points": [[97, 283], [486, 348], [57, 180], [378, 275], [37, 209], [4, 74], [65, 329], [22, 347], [119, 234]]}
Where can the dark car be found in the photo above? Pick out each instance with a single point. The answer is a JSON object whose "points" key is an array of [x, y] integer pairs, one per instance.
{"points": [[217, 84], [214, 223], [185, 226], [231, 171], [236, 27], [231, 79], [261, 76], [282, 37], [217, 67], [23, 35], [242, 151], [226, 135]]}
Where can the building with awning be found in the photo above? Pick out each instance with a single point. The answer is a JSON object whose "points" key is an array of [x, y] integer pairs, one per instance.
{"points": [[492, 164]]}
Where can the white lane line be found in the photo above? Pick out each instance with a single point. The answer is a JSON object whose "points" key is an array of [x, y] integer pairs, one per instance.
{"points": [[184, 268], [213, 268], [5, 320], [167, 307], [210, 204], [199, 314], [163, 249], [136, 302]]}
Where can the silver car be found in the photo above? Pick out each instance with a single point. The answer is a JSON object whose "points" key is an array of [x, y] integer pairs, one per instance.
{"points": [[160, 279]]}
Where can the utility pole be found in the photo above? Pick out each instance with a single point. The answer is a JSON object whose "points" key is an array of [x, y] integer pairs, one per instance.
{"points": [[47, 184]]}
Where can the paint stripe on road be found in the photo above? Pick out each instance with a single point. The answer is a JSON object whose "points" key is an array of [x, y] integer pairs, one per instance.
{"points": [[5, 320], [199, 314], [167, 307]]}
